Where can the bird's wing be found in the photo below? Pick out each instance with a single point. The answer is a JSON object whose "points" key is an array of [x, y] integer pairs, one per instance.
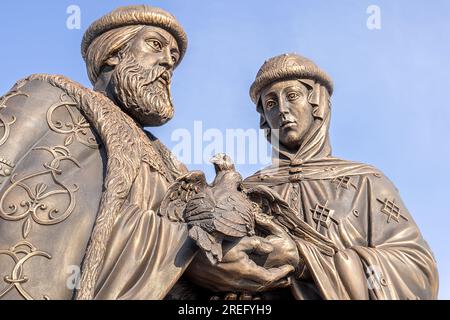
{"points": [[199, 211], [211, 245], [234, 216], [180, 192], [271, 203]]}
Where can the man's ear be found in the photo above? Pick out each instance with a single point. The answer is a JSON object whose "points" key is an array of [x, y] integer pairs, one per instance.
{"points": [[112, 61]]}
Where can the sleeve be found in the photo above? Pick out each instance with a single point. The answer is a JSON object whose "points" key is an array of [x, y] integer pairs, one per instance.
{"points": [[146, 256], [397, 262], [146, 253]]}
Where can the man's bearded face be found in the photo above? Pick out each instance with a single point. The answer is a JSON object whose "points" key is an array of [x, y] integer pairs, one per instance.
{"points": [[143, 92]]}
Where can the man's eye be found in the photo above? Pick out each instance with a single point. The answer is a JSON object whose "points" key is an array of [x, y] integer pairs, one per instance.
{"points": [[293, 96], [155, 44], [174, 60]]}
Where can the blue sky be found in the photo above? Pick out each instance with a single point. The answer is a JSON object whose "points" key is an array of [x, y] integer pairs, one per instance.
{"points": [[390, 104]]}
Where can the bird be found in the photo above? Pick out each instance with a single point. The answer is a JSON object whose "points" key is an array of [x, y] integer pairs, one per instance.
{"points": [[213, 213], [227, 210]]}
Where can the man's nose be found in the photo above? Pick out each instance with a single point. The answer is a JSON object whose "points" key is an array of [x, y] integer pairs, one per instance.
{"points": [[166, 59]]}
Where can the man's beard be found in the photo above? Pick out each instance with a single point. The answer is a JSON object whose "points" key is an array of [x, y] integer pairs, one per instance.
{"points": [[141, 92]]}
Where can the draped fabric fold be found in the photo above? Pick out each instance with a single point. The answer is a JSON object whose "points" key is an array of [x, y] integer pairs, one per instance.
{"points": [[150, 250], [132, 253], [382, 254]]}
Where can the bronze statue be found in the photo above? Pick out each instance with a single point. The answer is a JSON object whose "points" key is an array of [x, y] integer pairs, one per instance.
{"points": [[83, 184], [81, 179], [378, 251]]}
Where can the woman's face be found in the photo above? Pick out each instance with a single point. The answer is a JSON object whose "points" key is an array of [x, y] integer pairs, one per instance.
{"points": [[288, 112]]}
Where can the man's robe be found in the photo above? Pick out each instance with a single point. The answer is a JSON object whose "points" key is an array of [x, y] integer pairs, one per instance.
{"points": [[80, 187]]}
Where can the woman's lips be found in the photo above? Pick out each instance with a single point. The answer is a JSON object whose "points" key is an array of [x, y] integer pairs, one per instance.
{"points": [[287, 124]]}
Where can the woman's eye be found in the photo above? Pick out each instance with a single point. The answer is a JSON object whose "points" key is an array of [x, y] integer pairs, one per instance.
{"points": [[270, 104], [155, 44], [293, 96]]}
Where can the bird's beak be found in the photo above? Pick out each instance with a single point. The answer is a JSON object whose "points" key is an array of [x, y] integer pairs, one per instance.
{"points": [[216, 159]]}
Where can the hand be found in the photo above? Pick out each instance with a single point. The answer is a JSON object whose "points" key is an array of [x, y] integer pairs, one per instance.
{"points": [[237, 272], [284, 248]]}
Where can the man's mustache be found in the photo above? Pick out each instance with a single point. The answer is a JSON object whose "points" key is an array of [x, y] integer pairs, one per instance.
{"points": [[159, 73]]}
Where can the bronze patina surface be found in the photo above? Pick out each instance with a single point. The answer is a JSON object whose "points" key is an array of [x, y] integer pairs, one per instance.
{"points": [[82, 184]]}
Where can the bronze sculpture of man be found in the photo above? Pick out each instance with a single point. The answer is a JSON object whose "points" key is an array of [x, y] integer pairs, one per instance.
{"points": [[81, 179], [378, 252]]}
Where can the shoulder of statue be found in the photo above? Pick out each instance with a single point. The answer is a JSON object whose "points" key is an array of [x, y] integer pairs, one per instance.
{"points": [[44, 89], [40, 81], [270, 175], [380, 184], [40, 107], [254, 178]]}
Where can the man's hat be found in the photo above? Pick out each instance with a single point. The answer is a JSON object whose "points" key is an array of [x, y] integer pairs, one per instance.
{"points": [[136, 15], [288, 66]]}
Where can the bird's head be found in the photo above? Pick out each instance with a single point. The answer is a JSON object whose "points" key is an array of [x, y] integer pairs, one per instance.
{"points": [[226, 174], [222, 162]]}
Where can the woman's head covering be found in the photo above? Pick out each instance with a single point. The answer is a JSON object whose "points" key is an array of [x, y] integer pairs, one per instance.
{"points": [[294, 67], [288, 66], [313, 159]]}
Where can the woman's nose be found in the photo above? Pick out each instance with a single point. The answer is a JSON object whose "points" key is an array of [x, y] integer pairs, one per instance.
{"points": [[283, 107]]}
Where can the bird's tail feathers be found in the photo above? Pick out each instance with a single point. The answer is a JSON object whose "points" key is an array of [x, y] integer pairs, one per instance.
{"points": [[212, 246]]}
